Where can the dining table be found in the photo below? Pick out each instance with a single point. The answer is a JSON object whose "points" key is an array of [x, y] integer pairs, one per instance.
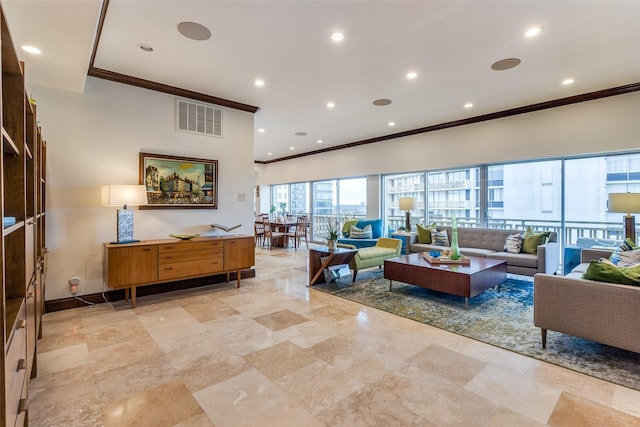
{"points": [[280, 227]]}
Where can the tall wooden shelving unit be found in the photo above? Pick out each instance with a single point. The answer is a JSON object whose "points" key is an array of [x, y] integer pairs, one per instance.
{"points": [[23, 253]]}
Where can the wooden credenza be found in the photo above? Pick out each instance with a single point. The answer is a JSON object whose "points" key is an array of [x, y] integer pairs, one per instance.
{"points": [[127, 266]]}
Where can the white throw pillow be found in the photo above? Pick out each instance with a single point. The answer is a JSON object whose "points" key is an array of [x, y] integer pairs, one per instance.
{"points": [[361, 233], [513, 243]]}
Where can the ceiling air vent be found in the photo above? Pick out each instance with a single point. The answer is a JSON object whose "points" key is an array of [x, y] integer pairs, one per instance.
{"points": [[198, 118]]}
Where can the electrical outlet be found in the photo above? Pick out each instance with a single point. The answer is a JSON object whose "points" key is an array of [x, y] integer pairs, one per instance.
{"points": [[74, 282]]}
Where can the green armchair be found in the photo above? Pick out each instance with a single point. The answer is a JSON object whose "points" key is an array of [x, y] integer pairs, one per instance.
{"points": [[374, 256]]}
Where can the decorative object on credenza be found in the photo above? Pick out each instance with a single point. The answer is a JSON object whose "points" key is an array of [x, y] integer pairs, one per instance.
{"points": [[184, 236], [124, 195], [626, 203], [179, 182], [225, 228], [407, 204]]}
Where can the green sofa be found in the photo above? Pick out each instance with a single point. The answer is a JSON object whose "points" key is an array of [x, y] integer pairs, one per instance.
{"points": [[373, 256]]}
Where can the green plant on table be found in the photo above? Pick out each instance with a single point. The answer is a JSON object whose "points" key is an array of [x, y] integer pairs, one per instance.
{"points": [[332, 231]]}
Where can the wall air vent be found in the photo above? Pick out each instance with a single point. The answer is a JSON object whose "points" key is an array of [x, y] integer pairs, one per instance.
{"points": [[201, 119]]}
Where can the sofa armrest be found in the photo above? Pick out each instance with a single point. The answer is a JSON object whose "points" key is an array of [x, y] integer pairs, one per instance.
{"points": [[604, 312], [549, 258], [346, 246], [590, 254], [387, 242]]}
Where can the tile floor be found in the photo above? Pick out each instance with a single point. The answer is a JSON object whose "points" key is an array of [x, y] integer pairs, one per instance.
{"points": [[276, 353]]}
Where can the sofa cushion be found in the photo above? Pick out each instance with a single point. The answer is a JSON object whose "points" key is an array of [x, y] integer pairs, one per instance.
{"points": [[532, 241], [358, 243], [376, 227], [346, 227], [424, 233], [626, 245], [439, 238], [476, 252], [513, 243], [376, 252], [605, 272], [628, 258], [360, 233], [520, 260]]}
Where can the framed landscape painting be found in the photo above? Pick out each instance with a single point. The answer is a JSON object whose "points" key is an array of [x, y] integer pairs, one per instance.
{"points": [[179, 182]]}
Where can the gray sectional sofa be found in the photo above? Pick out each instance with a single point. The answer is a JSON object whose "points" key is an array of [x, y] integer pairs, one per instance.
{"points": [[607, 313], [489, 242]]}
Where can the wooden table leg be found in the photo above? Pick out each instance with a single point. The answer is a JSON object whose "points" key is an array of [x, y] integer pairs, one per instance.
{"points": [[238, 273], [133, 297]]}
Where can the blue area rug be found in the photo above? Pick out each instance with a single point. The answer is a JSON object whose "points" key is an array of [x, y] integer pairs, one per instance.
{"points": [[502, 318]]}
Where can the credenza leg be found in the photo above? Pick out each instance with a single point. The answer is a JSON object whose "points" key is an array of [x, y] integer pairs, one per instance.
{"points": [[466, 303], [238, 273], [133, 297]]}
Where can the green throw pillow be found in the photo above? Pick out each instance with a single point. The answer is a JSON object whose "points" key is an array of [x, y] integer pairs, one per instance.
{"points": [[604, 272], [531, 241], [424, 233]]}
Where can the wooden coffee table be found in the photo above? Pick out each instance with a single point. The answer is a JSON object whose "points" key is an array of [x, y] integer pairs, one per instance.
{"points": [[462, 280]]}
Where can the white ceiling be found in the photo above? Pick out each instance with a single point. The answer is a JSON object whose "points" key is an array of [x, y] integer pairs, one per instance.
{"points": [[450, 44]]}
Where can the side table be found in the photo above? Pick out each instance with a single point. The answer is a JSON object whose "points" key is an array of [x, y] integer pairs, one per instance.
{"points": [[408, 239], [323, 258]]}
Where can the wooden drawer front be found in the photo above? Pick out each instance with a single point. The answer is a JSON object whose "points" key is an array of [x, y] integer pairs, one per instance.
{"points": [[190, 246], [190, 268], [191, 255], [16, 367]]}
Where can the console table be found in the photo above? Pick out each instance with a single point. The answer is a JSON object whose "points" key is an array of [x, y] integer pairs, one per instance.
{"points": [[127, 266]]}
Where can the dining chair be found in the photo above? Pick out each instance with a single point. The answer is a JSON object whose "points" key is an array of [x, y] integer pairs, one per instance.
{"points": [[299, 232], [270, 235], [258, 231]]}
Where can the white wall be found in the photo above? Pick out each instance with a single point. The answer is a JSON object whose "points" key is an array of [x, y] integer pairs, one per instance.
{"points": [[604, 125], [95, 138]]}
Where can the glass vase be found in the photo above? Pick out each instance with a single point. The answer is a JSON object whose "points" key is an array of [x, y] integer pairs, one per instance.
{"points": [[455, 249]]}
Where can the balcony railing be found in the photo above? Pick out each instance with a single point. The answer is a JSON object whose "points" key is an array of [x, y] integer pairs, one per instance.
{"points": [[573, 230]]}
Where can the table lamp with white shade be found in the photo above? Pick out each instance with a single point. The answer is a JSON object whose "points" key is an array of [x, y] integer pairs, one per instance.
{"points": [[407, 204], [626, 203], [124, 195]]}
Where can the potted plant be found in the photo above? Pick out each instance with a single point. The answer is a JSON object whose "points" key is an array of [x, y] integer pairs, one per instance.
{"points": [[272, 209], [332, 236]]}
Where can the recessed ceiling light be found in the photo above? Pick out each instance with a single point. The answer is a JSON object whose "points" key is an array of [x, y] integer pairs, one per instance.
{"points": [[259, 82], [505, 64], [468, 105], [533, 31], [261, 130], [292, 148], [392, 123], [145, 47], [31, 49], [301, 134], [330, 105], [319, 141], [337, 36], [381, 102], [412, 75], [194, 31], [568, 82], [268, 154]]}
